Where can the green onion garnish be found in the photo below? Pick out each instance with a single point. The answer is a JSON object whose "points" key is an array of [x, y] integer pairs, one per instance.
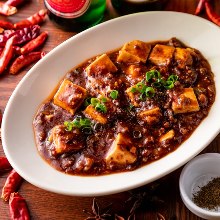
{"points": [[158, 81], [144, 90], [68, 125], [153, 77], [172, 78], [133, 90], [94, 101], [141, 87], [99, 104], [152, 74], [114, 94], [149, 92], [103, 99], [101, 108], [168, 84], [77, 123]]}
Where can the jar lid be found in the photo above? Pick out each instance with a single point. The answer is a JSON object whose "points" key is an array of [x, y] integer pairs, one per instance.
{"points": [[68, 8]]}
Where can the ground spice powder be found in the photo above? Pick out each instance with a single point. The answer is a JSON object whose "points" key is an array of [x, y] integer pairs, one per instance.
{"points": [[208, 196]]}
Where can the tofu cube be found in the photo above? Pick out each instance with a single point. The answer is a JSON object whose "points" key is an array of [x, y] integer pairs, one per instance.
{"points": [[133, 96], [121, 151], [91, 113], [169, 135], [161, 55], [183, 57], [65, 141], [134, 52], [134, 71], [150, 116], [69, 96], [101, 65], [185, 102]]}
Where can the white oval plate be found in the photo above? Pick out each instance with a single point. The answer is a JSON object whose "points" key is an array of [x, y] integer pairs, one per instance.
{"points": [[17, 132]]}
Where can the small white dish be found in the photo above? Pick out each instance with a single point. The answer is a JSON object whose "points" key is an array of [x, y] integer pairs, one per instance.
{"points": [[17, 131], [196, 174]]}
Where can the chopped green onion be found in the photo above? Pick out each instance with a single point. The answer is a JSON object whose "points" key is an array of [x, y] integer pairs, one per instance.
{"points": [[114, 94], [172, 78], [103, 99], [84, 122], [68, 125], [99, 105], [149, 92], [159, 82], [142, 96], [94, 101], [168, 85], [144, 90], [141, 87], [133, 90], [152, 74], [101, 108], [77, 123]]}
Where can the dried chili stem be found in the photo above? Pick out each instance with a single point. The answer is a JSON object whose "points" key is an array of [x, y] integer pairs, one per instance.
{"points": [[7, 9]]}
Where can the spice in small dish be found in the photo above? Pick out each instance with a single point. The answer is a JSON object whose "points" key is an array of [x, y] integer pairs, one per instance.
{"points": [[208, 197]]}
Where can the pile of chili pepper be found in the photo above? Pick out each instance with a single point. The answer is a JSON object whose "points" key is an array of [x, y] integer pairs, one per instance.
{"points": [[205, 5], [19, 41], [17, 204]]}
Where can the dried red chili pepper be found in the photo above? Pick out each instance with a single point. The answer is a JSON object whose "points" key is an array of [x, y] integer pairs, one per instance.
{"points": [[18, 207], [212, 15], [37, 18], [12, 184], [6, 24], [200, 7], [4, 164], [6, 54], [7, 9], [35, 43], [25, 60], [14, 3], [22, 36]]}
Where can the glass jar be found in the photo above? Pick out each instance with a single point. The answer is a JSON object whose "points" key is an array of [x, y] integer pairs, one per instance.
{"points": [[131, 6], [75, 15]]}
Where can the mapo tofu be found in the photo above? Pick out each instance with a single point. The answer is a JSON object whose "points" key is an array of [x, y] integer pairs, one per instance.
{"points": [[126, 108]]}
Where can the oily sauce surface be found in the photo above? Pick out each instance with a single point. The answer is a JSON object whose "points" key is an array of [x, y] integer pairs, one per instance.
{"points": [[147, 136]]}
